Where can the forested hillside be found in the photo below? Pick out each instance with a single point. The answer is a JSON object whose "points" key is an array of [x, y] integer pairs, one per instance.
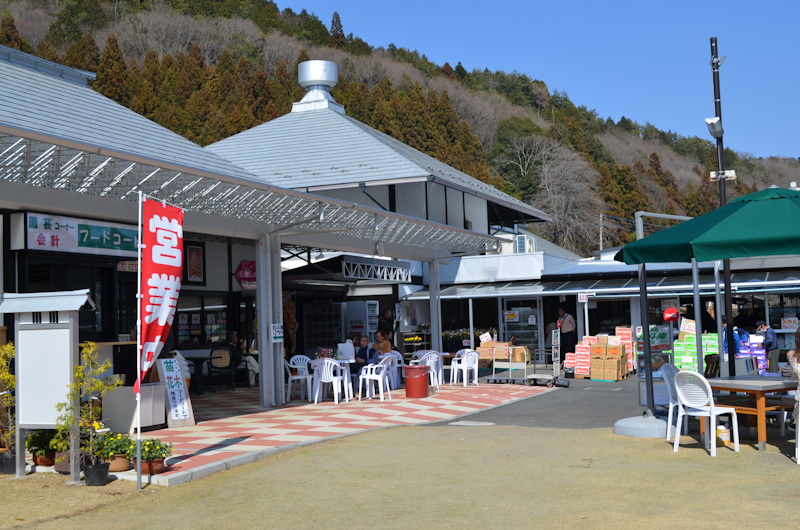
{"points": [[208, 69]]}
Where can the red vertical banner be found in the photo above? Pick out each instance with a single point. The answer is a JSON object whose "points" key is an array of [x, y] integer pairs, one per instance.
{"points": [[162, 267]]}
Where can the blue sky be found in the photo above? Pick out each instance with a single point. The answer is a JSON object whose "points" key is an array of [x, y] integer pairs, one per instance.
{"points": [[647, 61]]}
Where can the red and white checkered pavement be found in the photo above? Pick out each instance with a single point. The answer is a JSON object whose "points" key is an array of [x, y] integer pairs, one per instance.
{"points": [[231, 424]]}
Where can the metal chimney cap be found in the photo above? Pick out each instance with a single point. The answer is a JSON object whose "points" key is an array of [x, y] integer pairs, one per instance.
{"points": [[317, 73]]}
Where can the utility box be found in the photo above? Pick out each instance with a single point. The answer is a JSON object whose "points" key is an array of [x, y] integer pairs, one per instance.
{"points": [[47, 350]]}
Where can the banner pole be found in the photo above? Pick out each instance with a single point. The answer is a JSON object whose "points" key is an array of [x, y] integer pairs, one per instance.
{"points": [[139, 353]]}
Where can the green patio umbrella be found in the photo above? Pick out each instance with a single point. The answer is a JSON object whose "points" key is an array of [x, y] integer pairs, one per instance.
{"points": [[764, 223]]}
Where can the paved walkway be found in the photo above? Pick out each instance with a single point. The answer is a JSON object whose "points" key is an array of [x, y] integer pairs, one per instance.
{"points": [[233, 430]]}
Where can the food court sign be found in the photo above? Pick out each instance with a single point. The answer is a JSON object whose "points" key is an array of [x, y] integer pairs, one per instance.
{"points": [[56, 233]]}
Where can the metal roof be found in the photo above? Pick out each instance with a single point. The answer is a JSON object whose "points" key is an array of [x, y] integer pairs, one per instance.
{"points": [[322, 149], [657, 286], [57, 133], [38, 302]]}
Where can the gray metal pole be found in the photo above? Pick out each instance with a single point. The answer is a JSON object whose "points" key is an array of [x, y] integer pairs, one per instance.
{"points": [[433, 288], [262, 315], [601, 231], [723, 200], [648, 365], [471, 328], [718, 311], [698, 317]]}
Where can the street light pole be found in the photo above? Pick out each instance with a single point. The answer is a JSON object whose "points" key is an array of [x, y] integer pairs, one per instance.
{"points": [[723, 200]]}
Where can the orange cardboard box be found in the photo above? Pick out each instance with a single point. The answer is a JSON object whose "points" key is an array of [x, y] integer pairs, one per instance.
{"points": [[624, 334], [484, 363], [521, 354], [614, 350], [583, 364], [598, 350], [569, 364], [611, 364], [583, 348], [582, 356], [610, 375], [602, 339], [570, 357], [628, 345], [581, 371], [590, 339]]}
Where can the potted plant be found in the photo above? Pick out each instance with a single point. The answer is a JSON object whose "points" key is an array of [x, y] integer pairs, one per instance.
{"points": [[113, 447], [154, 452], [81, 412], [7, 411], [60, 444], [38, 445]]}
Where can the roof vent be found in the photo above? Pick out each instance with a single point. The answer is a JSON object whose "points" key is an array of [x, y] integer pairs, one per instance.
{"points": [[317, 77]]}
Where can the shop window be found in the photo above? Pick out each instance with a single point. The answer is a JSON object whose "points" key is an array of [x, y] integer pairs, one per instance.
{"points": [[783, 306], [188, 317], [216, 318]]}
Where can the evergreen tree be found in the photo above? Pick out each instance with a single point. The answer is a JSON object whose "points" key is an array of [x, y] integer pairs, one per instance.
{"points": [[337, 38], [461, 72], [65, 29], [112, 73], [46, 51], [9, 36], [357, 46], [632, 196], [609, 192], [447, 71], [84, 54]]}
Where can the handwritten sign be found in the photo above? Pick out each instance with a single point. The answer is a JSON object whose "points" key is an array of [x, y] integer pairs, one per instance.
{"points": [[486, 337], [789, 323], [512, 316], [176, 391]]}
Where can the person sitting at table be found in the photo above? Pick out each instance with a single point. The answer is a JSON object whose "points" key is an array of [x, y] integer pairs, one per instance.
{"points": [[365, 355], [381, 344], [241, 361]]}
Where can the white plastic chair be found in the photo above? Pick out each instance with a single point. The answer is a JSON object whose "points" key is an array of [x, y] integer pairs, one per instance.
{"points": [[669, 371], [300, 364], [378, 373], [328, 371], [432, 359], [469, 363], [696, 399], [399, 363], [455, 365]]}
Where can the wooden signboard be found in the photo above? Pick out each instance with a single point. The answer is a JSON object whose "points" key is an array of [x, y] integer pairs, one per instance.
{"points": [[178, 403]]}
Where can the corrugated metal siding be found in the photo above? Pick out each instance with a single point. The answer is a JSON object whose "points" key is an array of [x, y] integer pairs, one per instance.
{"points": [[51, 106], [322, 148]]}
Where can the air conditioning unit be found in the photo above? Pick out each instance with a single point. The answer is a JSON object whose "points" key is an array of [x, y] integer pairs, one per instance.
{"points": [[524, 244]]}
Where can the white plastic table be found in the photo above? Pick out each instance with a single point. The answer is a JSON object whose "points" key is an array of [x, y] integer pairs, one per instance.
{"points": [[348, 380]]}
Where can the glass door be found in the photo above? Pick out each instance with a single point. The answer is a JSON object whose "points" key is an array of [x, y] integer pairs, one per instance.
{"points": [[521, 318]]}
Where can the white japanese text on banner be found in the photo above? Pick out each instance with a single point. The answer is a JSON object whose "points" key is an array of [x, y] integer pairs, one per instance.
{"points": [[162, 267]]}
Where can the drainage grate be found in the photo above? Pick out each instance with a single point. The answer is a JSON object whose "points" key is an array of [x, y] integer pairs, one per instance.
{"points": [[603, 389]]}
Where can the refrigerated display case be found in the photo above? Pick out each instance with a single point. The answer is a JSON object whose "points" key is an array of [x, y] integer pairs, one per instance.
{"points": [[362, 318], [323, 325], [521, 320]]}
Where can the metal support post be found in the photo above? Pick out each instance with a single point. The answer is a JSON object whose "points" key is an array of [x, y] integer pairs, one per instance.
{"points": [[471, 328], [698, 320], [263, 304], [648, 365], [277, 318], [433, 288]]}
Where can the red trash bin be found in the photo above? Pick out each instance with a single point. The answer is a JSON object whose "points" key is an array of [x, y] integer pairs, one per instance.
{"points": [[416, 380]]}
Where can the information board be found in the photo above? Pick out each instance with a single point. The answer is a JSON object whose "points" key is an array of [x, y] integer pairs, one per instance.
{"points": [[56, 233]]}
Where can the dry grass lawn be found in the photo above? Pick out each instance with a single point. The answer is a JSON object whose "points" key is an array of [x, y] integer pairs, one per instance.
{"points": [[446, 477]]}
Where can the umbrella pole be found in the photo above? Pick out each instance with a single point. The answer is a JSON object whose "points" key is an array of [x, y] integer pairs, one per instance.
{"points": [[718, 313], [698, 319], [648, 365], [731, 355]]}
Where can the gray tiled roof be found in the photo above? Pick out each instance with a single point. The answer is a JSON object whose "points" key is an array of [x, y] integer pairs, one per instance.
{"points": [[319, 149], [35, 101]]}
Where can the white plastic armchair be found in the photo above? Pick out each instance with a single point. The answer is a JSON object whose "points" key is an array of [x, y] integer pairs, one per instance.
{"points": [[328, 371], [378, 373], [432, 359], [399, 363], [669, 371], [455, 366], [469, 363], [300, 363], [696, 399]]}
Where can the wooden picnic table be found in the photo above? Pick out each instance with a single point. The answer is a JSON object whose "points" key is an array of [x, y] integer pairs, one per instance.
{"points": [[756, 407]]}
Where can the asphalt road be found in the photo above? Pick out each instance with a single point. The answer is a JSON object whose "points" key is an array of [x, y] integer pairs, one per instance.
{"points": [[585, 404]]}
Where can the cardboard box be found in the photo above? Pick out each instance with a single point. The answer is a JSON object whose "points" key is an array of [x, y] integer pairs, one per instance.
{"points": [[484, 363], [598, 363], [501, 353], [485, 352], [581, 371], [583, 348], [610, 375], [520, 354], [598, 350], [582, 357], [596, 374], [570, 357], [614, 350], [569, 364], [614, 340], [602, 339], [624, 334], [590, 339], [611, 364]]}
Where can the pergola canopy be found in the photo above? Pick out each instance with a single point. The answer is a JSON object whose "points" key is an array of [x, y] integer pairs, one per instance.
{"points": [[58, 133]]}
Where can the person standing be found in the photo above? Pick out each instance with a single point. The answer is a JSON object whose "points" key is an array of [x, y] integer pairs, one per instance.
{"points": [[566, 325], [736, 340], [770, 344]]}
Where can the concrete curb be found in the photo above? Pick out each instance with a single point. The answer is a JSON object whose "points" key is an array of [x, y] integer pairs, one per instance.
{"points": [[183, 477]]}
